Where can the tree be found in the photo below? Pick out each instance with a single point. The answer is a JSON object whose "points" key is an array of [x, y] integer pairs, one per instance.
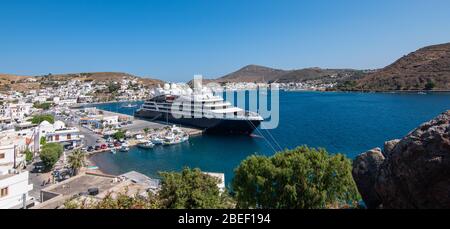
{"points": [[146, 129], [37, 119], [44, 106], [191, 189], [300, 178], [28, 155], [429, 85], [42, 141], [120, 134], [77, 160], [50, 154]]}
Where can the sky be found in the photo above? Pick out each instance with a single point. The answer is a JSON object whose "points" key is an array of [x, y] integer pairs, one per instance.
{"points": [[176, 39]]}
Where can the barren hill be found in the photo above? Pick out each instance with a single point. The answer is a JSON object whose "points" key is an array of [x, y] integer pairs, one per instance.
{"points": [[425, 69]]}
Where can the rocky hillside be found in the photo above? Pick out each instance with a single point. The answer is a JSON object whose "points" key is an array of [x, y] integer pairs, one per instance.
{"points": [[413, 172], [255, 73], [21, 83], [425, 69]]}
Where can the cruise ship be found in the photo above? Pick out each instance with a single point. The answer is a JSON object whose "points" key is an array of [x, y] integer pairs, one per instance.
{"points": [[200, 109]]}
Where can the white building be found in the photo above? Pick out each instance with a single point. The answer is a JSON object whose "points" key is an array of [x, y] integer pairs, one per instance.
{"points": [[14, 188], [14, 185], [57, 132], [11, 111]]}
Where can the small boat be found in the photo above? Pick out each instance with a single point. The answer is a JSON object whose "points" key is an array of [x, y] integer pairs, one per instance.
{"points": [[113, 151], [157, 141], [124, 149], [421, 93], [146, 145], [129, 105]]}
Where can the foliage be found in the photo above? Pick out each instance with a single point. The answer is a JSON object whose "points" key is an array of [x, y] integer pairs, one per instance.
{"points": [[113, 88], [120, 134], [77, 160], [50, 154], [42, 141], [348, 85], [44, 106], [429, 85], [191, 189], [300, 178], [37, 119], [28, 155], [146, 129]]}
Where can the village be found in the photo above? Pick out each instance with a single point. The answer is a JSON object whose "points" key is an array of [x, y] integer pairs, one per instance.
{"points": [[36, 123]]}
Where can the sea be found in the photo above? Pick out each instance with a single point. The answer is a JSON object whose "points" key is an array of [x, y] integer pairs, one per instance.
{"points": [[341, 122]]}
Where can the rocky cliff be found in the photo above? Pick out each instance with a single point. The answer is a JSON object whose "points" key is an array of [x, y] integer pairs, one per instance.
{"points": [[413, 172]]}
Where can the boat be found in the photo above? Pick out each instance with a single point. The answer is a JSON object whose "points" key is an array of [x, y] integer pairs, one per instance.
{"points": [[421, 93], [113, 151], [156, 140], [146, 145], [129, 105], [200, 109], [124, 149]]}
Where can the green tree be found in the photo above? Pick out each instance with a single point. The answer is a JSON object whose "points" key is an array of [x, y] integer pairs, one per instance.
{"points": [[146, 130], [303, 178], [50, 154], [429, 85], [42, 141], [120, 134], [37, 119], [28, 155], [191, 189], [44, 106], [77, 160]]}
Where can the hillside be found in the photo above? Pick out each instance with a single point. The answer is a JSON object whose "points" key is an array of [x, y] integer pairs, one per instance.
{"points": [[22, 83], [255, 73], [425, 69]]}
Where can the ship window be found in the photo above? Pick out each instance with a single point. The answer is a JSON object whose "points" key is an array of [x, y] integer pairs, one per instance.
{"points": [[4, 192], [2, 155], [213, 108], [235, 113]]}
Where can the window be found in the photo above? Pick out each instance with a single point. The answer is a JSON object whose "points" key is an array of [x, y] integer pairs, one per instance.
{"points": [[4, 192], [69, 136], [56, 137], [2, 155]]}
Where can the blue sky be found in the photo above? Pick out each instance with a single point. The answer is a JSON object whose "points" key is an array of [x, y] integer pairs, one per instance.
{"points": [[175, 39]]}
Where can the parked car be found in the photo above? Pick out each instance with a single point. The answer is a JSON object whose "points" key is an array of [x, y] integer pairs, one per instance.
{"points": [[97, 147], [103, 146], [69, 147], [110, 145], [90, 149], [117, 144]]}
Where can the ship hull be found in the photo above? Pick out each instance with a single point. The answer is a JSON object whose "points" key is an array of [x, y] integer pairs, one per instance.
{"points": [[209, 125]]}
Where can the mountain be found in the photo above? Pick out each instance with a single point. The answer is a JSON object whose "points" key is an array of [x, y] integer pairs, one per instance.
{"points": [[425, 69], [255, 73]]}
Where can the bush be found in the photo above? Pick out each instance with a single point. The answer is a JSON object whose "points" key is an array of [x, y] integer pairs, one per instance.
{"points": [[50, 153], [191, 189], [120, 134], [299, 178], [44, 106], [28, 155], [37, 119]]}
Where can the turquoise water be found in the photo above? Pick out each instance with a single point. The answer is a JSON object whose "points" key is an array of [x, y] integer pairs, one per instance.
{"points": [[348, 123]]}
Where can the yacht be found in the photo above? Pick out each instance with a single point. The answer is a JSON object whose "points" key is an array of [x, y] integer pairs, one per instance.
{"points": [[200, 109]]}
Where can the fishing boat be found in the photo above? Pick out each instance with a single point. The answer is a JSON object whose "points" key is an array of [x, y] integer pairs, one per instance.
{"points": [[129, 105], [146, 145], [156, 140]]}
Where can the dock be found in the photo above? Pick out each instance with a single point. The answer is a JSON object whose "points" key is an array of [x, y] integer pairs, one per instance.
{"points": [[141, 124]]}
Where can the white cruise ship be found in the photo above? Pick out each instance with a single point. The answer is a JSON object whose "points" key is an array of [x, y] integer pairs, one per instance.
{"points": [[201, 109]]}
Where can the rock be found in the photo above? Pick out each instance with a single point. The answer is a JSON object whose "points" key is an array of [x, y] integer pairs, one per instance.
{"points": [[416, 171], [389, 146], [365, 171]]}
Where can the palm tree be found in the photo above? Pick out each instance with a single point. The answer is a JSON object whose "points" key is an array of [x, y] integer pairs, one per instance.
{"points": [[77, 160]]}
